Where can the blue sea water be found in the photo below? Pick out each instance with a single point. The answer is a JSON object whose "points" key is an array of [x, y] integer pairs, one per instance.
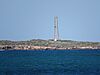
{"points": [[50, 62]]}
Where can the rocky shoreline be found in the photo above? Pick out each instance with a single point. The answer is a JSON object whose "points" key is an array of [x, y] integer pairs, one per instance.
{"points": [[27, 47]]}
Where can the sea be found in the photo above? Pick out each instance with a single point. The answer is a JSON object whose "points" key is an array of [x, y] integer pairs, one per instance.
{"points": [[50, 62]]}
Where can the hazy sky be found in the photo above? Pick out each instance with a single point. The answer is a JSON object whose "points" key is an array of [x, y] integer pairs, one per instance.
{"points": [[30, 19]]}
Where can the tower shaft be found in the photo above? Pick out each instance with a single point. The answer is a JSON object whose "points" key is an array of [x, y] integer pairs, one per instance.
{"points": [[56, 32]]}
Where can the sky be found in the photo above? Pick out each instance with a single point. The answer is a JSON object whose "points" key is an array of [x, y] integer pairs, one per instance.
{"points": [[34, 19]]}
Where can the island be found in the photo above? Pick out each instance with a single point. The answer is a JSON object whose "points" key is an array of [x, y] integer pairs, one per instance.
{"points": [[39, 44]]}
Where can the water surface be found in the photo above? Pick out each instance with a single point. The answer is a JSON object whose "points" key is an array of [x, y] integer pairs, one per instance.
{"points": [[50, 62]]}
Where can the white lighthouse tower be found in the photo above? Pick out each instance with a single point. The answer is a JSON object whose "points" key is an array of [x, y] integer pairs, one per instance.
{"points": [[56, 31]]}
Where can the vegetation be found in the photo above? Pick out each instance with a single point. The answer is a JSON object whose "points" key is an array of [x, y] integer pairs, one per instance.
{"points": [[59, 43]]}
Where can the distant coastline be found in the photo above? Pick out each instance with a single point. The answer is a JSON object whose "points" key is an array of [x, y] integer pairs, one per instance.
{"points": [[39, 44]]}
